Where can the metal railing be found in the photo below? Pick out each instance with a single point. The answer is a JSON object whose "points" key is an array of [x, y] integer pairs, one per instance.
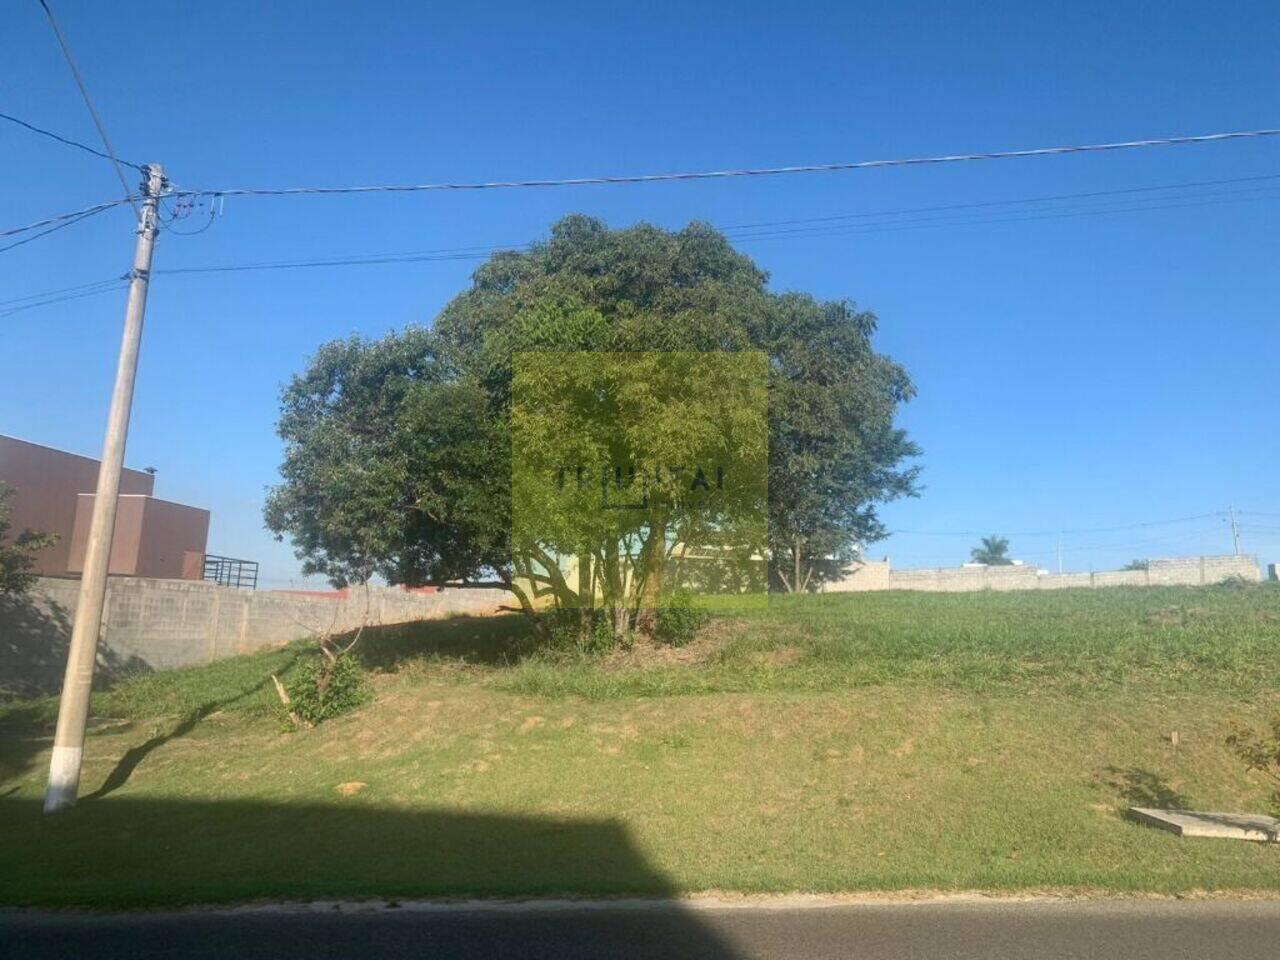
{"points": [[230, 572]]}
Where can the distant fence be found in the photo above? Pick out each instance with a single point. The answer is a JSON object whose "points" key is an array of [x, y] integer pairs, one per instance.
{"points": [[1180, 571], [160, 624]]}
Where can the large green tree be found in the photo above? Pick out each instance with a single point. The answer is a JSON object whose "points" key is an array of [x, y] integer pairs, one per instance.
{"points": [[398, 451], [834, 451]]}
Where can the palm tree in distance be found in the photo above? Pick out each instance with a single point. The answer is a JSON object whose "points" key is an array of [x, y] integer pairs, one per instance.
{"points": [[993, 551]]}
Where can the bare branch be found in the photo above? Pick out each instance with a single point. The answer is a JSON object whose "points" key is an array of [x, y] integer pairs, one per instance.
{"points": [[283, 694]]}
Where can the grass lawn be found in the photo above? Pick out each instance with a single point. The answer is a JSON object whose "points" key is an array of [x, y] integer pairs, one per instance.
{"points": [[834, 743]]}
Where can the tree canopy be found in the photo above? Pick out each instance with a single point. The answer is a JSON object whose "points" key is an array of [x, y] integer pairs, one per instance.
{"points": [[398, 451], [993, 551], [17, 554]]}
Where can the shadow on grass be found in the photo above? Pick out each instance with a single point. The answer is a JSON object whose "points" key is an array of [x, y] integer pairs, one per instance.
{"points": [[163, 853], [1143, 788], [124, 768], [26, 728], [490, 641]]}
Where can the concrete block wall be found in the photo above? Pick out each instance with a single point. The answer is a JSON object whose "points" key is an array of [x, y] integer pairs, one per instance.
{"points": [[161, 624], [872, 575], [1178, 571], [1132, 578], [963, 579]]}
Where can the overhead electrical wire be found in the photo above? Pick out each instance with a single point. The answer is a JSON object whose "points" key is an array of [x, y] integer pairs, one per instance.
{"points": [[747, 232], [931, 222], [181, 211], [483, 251], [85, 290], [367, 260], [88, 102], [73, 215], [738, 233], [1064, 531], [52, 293], [740, 172], [1047, 198], [66, 140], [65, 222], [644, 178]]}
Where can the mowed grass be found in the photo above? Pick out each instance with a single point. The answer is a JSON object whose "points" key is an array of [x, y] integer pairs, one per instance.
{"points": [[833, 743]]}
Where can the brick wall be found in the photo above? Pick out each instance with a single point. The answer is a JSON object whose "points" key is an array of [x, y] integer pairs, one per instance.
{"points": [[1178, 571], [160, 624]]}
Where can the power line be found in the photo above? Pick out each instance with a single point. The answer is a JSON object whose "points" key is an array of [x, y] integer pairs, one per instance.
{"points": [[91, 291], [88, 102], [73, 215], [182, 211], [742, 172], [479, 252], [51, 293], [67, 222], [933, 222], [1048, 198], [372, 259], [739, 231], [61, 139], [1058, 532]]}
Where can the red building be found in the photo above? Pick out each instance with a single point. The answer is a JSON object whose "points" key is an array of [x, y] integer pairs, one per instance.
{"points": [[54, 493]]}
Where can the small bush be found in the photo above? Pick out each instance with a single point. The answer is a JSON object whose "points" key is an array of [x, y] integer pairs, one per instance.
{"points": [[1236, 582], [565, 631], [322, 689], [678, 620]]}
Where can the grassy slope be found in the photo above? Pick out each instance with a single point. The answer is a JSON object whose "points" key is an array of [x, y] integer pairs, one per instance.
{"points": [[875, 741]]}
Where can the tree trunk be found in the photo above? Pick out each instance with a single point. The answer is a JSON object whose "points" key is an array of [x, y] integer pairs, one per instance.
{"points": [[652, 566], [586, 595]]}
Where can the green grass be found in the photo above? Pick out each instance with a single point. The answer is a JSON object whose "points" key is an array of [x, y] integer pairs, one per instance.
{"points": [[1081, 642], [832, 743]]}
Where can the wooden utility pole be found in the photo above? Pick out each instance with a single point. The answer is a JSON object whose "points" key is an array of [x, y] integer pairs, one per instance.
{"points": [[73, 708]]}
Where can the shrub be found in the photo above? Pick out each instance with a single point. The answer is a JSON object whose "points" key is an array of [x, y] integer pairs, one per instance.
{"points": [[1236, 582], [564, 631], [17, 554], [322, 689], [678, 620]]}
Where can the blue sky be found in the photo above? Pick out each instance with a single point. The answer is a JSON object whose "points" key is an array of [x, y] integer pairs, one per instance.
{"points": [[1074, 372]]}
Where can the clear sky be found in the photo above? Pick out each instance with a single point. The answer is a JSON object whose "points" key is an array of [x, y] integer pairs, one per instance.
{"points": [[1081, 364]]}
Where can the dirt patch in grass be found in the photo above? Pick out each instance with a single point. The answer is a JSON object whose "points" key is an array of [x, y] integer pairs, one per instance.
{"points": [[704, 648]]}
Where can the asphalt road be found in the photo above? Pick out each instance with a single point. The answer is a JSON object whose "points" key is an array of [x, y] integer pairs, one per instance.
{"points": [[955, 930]]}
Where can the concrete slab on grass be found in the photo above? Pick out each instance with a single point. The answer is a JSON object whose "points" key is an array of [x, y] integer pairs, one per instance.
{"points": [[1224, 826]]}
